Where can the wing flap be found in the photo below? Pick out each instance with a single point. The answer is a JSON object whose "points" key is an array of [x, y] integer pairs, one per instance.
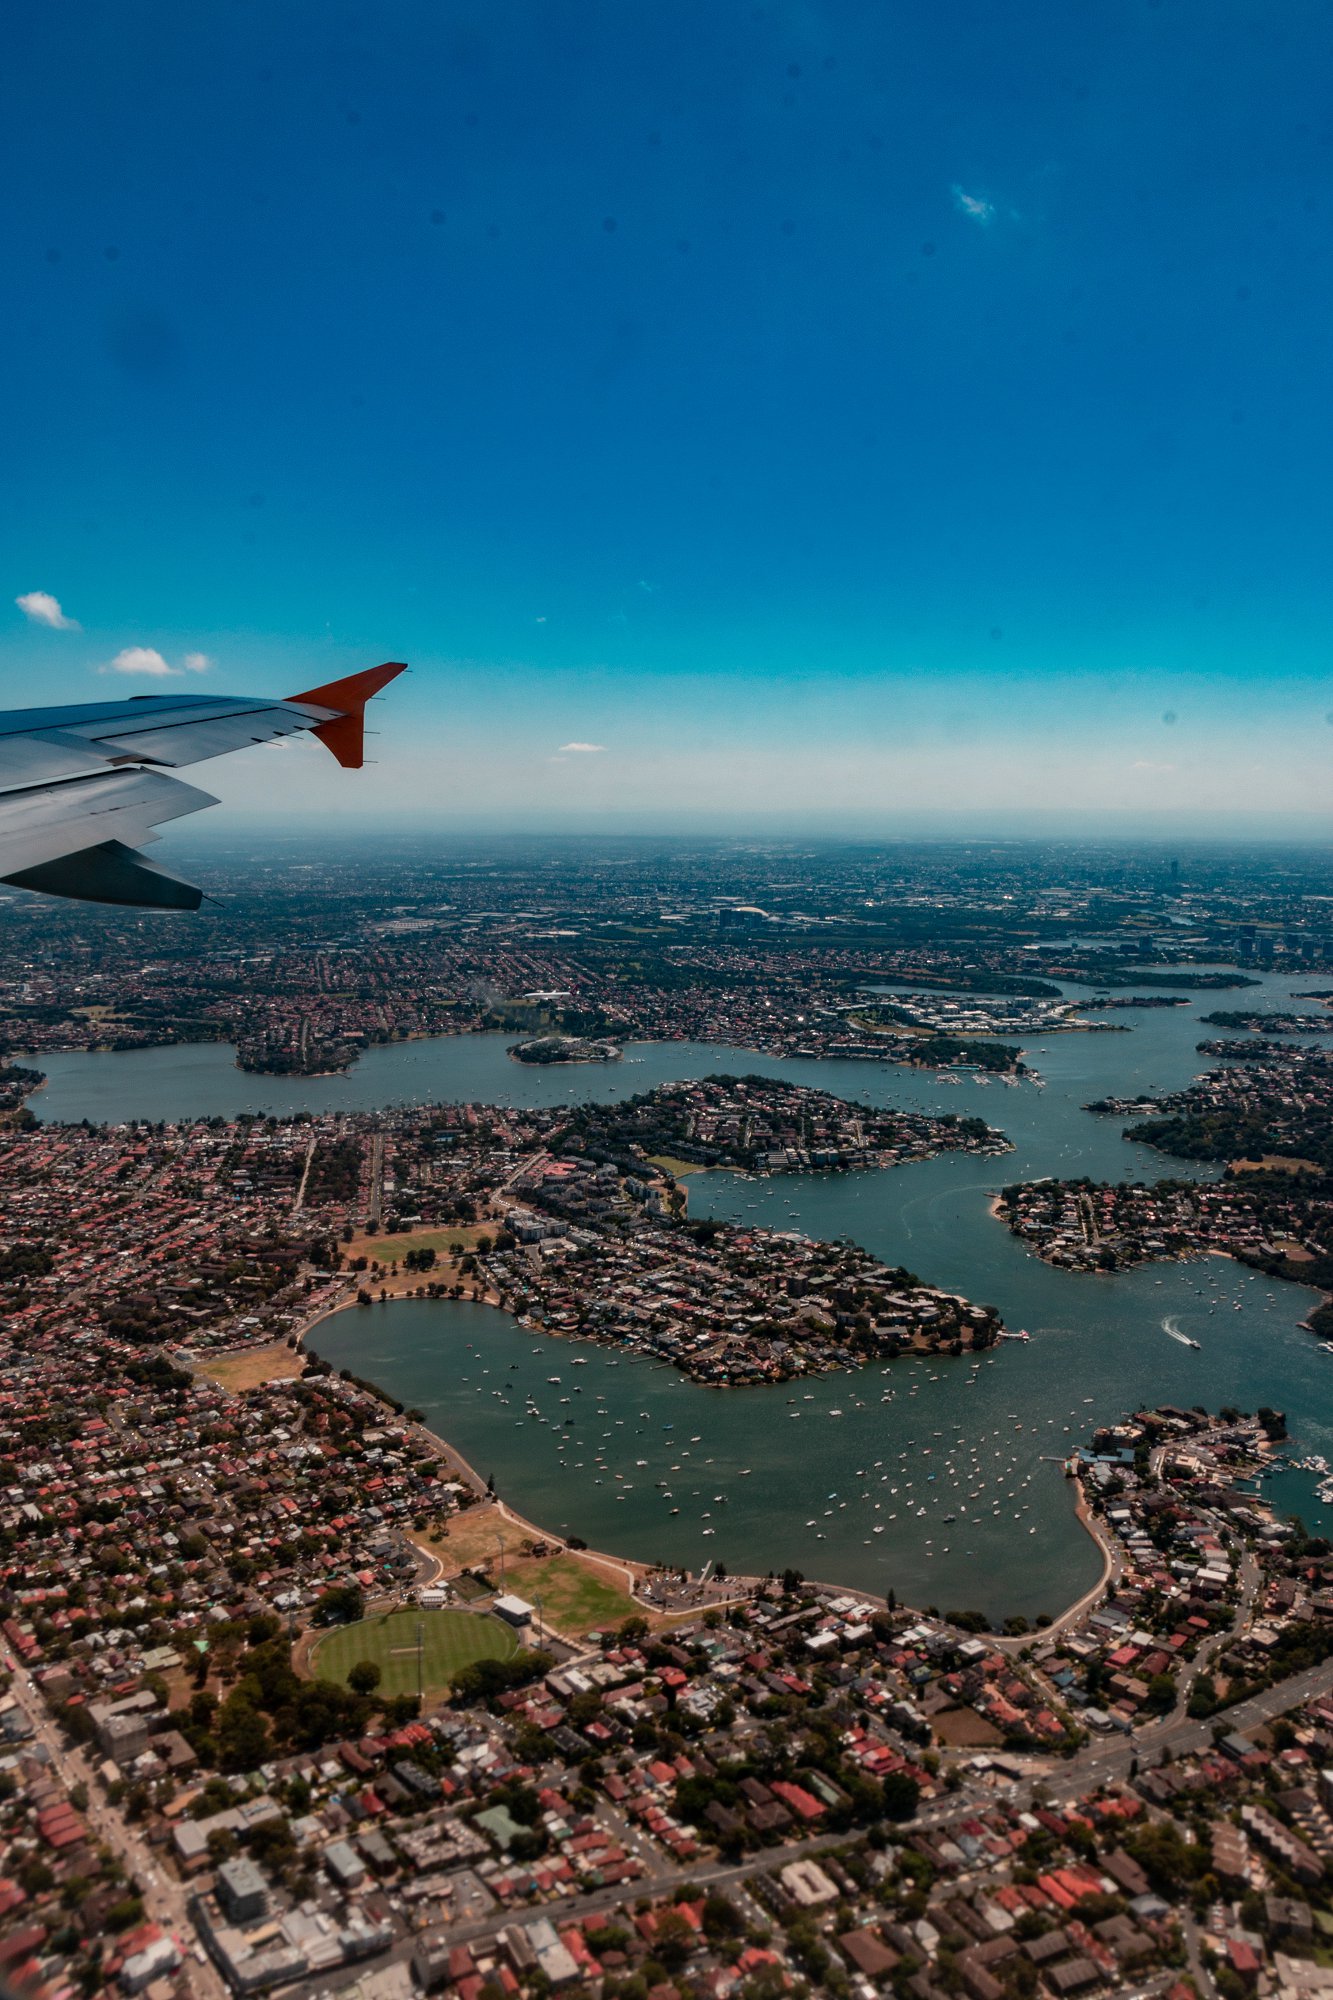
{"points": [[110, 873], [36, 760], [52, 821]]}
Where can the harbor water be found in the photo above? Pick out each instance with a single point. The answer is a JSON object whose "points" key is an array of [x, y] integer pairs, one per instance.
{"points": [[939, 1479]]}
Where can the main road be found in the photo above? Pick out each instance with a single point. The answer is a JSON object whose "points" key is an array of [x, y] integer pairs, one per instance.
{"points": [[165, 1900]]}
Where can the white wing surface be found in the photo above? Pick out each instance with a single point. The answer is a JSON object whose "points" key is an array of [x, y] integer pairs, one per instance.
{"points": [[83, 787]]}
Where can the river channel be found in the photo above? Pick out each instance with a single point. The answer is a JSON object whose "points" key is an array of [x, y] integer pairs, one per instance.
{"points": [[938, 1479]]}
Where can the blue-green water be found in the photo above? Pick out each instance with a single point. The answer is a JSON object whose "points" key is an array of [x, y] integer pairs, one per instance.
{"points": [[974, 1440]]}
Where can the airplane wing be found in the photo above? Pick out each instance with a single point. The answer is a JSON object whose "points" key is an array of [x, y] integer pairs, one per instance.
{"points": [[83, 787]]}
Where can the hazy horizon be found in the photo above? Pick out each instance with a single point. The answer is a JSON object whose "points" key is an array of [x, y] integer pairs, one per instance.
{"points": [[1018, 826]]}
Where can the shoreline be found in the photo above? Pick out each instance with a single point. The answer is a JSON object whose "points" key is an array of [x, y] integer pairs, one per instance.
{"points": [[451, 1456], [1191, 1254], [636, 1572], [1020, 1074], [565, 1062], [630, 1572]]}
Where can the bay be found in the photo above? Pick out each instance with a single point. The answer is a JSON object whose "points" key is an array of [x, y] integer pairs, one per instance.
{"points": [[983, 1442]]}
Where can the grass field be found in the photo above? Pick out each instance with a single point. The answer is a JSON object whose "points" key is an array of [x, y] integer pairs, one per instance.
{"points": [[474, 1540], [574, 1598], [577, 1596], [452, 1639], [676, 1168], [386, 1248]]}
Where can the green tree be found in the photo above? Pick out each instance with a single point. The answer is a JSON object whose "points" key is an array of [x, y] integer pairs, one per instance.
{"points": [[721, 1917], [242, 1733], [340, 1604], [902, 1795], [1161, 1694], [673, 1940]]}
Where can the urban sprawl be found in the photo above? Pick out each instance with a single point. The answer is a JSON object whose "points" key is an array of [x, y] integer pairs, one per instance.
{"points": [[291, 1699]]}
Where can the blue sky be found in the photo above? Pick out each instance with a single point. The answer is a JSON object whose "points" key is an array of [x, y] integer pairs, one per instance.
{"points": [[818, 408]]}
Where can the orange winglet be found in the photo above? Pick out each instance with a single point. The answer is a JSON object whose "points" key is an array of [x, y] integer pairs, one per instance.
{"points": [[344, 734]]}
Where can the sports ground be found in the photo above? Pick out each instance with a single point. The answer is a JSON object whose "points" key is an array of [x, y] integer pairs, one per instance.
{"points": [[449, 1640]]}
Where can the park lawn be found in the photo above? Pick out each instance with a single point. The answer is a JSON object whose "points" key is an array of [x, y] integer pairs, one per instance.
{"points": [[250, 1369], [445, 1271], [578, 1594], [871, 1027], [676, 1168], [575, 1599], [451, 1639], [386, 1249]]}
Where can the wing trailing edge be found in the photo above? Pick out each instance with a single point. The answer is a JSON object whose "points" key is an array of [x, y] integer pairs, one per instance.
{"points": [[110, 873]]}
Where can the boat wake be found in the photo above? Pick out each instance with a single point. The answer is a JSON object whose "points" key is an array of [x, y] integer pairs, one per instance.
{"points": [[1171, 1327]]}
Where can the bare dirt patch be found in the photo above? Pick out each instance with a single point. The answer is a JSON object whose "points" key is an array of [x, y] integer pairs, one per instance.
{"points": [[964, 1729], [252, 1367]]}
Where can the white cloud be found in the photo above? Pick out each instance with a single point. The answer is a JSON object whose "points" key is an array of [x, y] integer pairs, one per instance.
{"points": [[147, 660], [139, 660], [974, 205], [43, 609], [1146, 764], [582, 749]]}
